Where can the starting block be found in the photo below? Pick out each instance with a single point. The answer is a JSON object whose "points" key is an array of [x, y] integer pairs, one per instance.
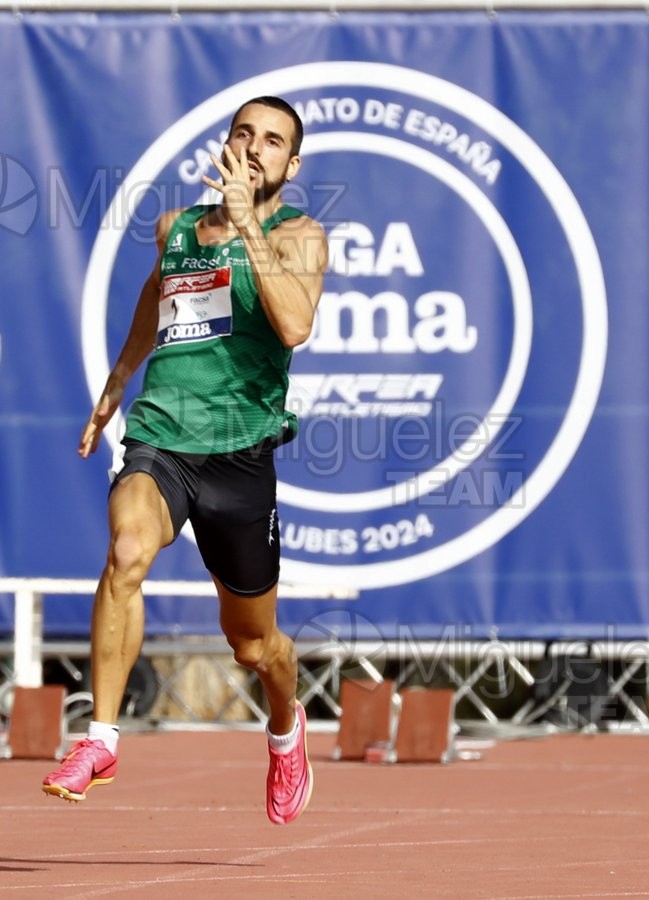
{"points": [[36, 723], [426, 730], [367, 718], [379, 725]]}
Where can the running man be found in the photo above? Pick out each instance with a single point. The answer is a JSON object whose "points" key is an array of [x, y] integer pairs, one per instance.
{"points": [[234, 289]]}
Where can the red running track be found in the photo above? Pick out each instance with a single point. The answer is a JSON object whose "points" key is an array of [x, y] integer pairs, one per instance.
{"points": [[565, 816]]}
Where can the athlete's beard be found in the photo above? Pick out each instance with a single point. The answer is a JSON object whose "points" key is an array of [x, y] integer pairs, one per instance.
{"points": [[269, 189]]}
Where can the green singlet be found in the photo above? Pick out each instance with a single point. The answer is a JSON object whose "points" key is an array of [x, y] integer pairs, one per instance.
{"points": [[218, 377]]}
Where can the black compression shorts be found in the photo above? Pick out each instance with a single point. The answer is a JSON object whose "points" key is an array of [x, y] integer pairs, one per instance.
{"points": [[230, 500]]}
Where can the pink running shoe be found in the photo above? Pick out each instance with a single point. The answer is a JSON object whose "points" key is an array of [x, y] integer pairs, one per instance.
{"points": [[87, 763], [290, 778]]}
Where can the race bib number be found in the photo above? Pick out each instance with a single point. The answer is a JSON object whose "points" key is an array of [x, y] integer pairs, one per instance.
{"points": [[196, 307]]}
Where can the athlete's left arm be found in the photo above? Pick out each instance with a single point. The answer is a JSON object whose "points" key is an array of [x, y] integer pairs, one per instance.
{"points": [[289, 266]]}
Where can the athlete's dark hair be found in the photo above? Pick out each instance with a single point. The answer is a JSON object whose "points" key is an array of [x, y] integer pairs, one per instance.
{"points": [[278, 103]]}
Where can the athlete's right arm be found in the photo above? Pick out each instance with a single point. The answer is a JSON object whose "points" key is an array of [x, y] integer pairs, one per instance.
{"points": [[137, 346]]}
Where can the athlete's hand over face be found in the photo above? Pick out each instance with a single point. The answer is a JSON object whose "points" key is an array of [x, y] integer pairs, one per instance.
{"points": [[237, 186], [100, 417]]}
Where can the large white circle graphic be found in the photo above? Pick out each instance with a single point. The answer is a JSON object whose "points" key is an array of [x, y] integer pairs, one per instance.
{"points": [[559, 197], [486, 431]]}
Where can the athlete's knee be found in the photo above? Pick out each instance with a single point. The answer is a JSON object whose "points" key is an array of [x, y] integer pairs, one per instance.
{"points": [[248, 653], [131, 552], [259, 654]]}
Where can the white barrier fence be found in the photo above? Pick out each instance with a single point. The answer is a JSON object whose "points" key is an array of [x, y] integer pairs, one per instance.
{"points": [[177, 7], [465, 664], [28, 606]]}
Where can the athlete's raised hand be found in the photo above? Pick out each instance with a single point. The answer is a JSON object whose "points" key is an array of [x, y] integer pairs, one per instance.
{"points": [[238, 185]]}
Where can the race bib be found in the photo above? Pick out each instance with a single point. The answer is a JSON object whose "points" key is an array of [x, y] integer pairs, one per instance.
{"points": [[195, 307]]}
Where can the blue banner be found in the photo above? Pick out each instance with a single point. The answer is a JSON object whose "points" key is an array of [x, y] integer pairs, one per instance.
{"points": [[473, 398]]}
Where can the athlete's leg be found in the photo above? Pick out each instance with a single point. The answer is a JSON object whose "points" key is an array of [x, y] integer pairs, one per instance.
{"points": [[250, 627], [140, 525]]}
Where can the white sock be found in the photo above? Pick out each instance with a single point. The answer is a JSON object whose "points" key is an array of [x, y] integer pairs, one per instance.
{"points": [[109, 734], [284, 743]]}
